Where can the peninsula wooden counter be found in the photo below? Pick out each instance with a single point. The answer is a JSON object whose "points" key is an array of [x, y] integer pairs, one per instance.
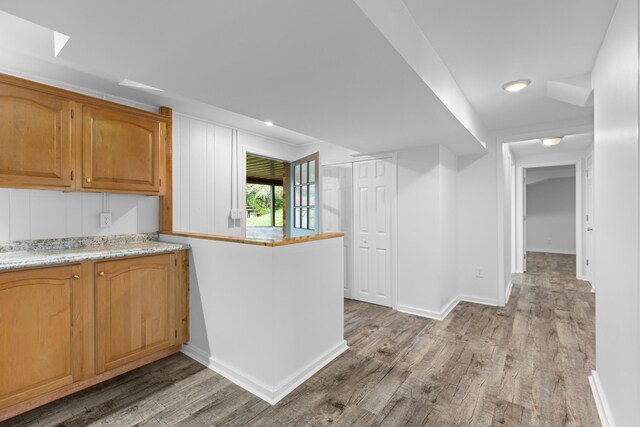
{"points": [[266, 315], [258, 242]]}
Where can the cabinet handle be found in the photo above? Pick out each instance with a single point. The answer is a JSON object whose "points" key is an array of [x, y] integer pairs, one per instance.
{"points": [[88, 180], [101, 274], [75, 276]]}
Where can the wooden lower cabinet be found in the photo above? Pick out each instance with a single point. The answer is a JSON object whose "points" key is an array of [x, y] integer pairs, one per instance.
{"points": [[43, 343], [68, 327], [135, 309]]}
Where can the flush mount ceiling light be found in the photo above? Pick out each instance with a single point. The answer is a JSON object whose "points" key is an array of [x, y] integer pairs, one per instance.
{"points": [[268, 123], [516, 85], [550, 142], [137, 85]]}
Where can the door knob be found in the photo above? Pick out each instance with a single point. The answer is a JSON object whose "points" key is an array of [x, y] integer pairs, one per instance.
{"points": [[88, 180], [75, 276], [101, 274], [364, 241], [589, 229]]}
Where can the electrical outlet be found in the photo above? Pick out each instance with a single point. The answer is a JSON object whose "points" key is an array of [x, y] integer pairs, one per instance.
{"points": [[479, 272], [105, 219], [234, 214]]}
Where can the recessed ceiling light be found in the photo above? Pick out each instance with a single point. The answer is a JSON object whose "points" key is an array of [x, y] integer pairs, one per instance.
{"points": [[138, 85], [550, 142], [268, 123], [516, 86]]}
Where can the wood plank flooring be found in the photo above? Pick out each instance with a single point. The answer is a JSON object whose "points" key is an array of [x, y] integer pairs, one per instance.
{"points": [[525, 364]]}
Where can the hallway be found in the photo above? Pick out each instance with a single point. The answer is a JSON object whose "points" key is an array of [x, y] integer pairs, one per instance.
{"points": [[525, 364]]}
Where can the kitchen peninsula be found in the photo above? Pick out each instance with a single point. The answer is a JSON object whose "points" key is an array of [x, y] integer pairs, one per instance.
{"points": [[265, 314]]}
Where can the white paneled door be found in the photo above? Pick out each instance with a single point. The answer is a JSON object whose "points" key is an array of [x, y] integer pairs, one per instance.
{"points": [[372, 201], [337, 212]]}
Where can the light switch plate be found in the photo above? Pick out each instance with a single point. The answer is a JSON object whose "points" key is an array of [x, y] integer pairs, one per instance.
{"points": [[105, 219]]}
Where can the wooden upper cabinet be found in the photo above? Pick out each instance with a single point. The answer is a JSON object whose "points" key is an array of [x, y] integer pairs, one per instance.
{"points": [[54, 139], [121, 151], [135, 309], [42, 313], [35, 139]]}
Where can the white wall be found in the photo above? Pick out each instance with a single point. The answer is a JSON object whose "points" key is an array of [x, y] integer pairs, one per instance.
{"points": [[551, 216], [427, 231], [448, 226], [209, 173], [418, 230], [615, 81], [478, 226], [40, 214]]}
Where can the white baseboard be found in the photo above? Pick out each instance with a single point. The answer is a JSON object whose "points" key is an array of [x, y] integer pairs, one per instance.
{"points": [[291, 383], [430, 314], [604, 411], [479, 300], [507, 294], [552, 251], [271, 395], [441, 315]]}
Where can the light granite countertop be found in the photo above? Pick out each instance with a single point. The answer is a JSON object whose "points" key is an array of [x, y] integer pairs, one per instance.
{"points": [[40, 253]]}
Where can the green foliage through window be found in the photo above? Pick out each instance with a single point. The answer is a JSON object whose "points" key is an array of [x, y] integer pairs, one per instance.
{"points": [[259, 205]]}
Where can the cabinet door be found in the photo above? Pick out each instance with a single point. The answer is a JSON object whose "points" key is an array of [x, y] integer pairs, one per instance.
{"points": [[35, 139], [41, 322], [121, 152], [135, 309]]}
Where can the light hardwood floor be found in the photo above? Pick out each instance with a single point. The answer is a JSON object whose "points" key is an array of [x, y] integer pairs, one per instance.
{"points": [[525, 364]]}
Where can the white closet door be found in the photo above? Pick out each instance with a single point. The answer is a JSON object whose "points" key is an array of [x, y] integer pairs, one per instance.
{"points": [[372, 191], [337, 213]]}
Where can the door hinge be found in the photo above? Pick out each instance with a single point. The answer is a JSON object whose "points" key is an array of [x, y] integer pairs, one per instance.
{"points": [[160, 182], [176, 333], [71, 175], [587, 217], [587, 263], [72, 114], [175, 261]]}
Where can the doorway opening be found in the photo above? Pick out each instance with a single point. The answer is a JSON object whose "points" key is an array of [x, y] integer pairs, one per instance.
{"points": [[265, 193], [549, 204]]}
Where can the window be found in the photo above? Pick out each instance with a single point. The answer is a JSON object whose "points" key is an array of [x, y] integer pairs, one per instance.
{"points": [[304, 190], [264, 205]]}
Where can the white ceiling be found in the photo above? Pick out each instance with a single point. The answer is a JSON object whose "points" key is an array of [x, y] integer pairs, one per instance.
{"points": [[334, 70], [536, 175], [487, 43], [320, 68]]}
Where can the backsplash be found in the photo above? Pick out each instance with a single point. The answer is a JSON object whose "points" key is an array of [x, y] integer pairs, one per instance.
{"points": [[37, 214]]}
